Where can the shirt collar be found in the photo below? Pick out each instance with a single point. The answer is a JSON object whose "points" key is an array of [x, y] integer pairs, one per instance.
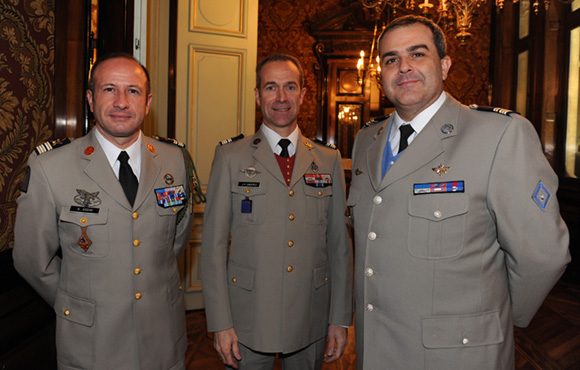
{"points": [[421, 120], [112, 153], [273, 139]]}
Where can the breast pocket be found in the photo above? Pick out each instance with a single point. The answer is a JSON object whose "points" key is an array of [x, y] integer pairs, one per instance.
{"points": [[249, 204], [165, 224], [317, 203], [78, 229], [437, 225]]}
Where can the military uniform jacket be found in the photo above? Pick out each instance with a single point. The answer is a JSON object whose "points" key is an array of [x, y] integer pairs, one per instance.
{"points": [[442, 274], [119, 303], [287, 254]]}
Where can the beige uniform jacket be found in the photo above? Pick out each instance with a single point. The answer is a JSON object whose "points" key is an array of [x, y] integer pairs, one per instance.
{"points": [[287, 254], [441, 275], [118, 304]]}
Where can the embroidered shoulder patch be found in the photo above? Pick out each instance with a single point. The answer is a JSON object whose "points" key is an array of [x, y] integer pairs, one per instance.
{"points": [[505, 112], [231, 139], [541, 196], [53, 144]]}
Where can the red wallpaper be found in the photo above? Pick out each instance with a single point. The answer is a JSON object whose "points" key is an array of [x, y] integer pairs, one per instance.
{"points": [[26, 96]]}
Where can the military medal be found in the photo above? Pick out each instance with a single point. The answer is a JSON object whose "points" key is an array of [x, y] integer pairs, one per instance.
{"points": [[314, 167], [439, 187], [251, 172], [318, 180], [441, 169], [170, 197], [168, 178], [84, 240]]}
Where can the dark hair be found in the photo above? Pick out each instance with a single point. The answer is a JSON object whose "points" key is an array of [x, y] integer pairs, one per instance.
{"points": [[116, 55], [438, 36], [279, 58]]}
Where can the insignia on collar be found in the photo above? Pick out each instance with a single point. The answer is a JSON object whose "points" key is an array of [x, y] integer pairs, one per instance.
{"points": [[441, 169], [447, 128], [358, 171], [89, 150], [232, 139], [87, 199], [375, 121], [53, 144], [505, 112]]}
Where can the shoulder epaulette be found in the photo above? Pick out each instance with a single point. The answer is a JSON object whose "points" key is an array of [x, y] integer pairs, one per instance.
{"points": [[169, 140], [376, 120], [232, 139], [50, 145], [505, 112], [325, 143]]}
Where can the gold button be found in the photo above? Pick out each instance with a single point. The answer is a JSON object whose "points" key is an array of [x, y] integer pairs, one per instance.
{"points": [[291, 193], [248, 191], [135, 215], [319, 193], [326, 278], [83, 220], [136, 242], [66, 312], [290, 243], [137, 271], [234, 280], [180, 287], [174, 209], [290, 268], [291, 217], [138, 295]]}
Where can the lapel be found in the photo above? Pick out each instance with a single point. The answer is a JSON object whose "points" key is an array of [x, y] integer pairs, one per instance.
{"points": [[150, 170], [375, 153], [303, 160], [264, 155], [99, 169], [426, 146]]}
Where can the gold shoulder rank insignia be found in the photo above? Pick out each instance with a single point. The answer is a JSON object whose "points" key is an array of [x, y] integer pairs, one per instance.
{"points": [[231, 139], [50, 145], [375, 121], [325, 143], [169, 140], [505, 112]]}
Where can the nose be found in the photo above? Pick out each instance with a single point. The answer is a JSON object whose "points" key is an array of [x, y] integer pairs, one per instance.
{"points": [[404, 65], [121, 100], [281, 97]]}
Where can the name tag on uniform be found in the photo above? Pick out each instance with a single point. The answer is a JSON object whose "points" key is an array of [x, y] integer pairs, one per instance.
{"points": [[439, 187], [84, 209], [171, 197], [317, 180]]}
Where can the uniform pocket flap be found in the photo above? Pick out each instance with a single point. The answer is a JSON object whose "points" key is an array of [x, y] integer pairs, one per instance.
{"points": [[462, 331], [317, 192], [321, 276], [169, 211], [438, 207], [353, 197], [241, 277], [84, 218], [80, 311]]}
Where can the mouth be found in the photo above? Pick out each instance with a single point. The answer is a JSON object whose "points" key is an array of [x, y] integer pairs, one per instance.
{"points": [[281, 109]]}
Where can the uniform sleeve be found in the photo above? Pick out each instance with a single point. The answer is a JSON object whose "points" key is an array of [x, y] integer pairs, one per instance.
{"points": [[339, 251], [214, 248], [522, 197], [36, 241]]}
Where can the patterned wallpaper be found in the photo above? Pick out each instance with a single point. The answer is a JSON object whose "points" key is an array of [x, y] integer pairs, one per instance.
{"points": [[283, 27], [26, 95]]}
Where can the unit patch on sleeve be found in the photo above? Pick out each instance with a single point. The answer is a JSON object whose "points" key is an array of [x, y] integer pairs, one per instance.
{"points": [[439, 187], [541, 196]]}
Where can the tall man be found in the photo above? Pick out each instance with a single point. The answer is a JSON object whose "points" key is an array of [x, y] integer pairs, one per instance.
{"points": [[457, 237], [101, 253], [288, 278]]}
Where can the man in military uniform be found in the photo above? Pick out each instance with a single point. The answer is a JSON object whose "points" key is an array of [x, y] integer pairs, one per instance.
{"points": [[287, 281], [458, 235], [98, 235]]}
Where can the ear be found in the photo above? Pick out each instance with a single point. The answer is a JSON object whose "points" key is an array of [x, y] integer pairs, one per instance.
{"points": [[148, 104], [445, 66], [302, 93], [257, 95], [90, 99]]}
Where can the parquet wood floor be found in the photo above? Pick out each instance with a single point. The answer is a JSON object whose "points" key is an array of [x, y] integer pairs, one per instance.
{"points": [[550, 342]]}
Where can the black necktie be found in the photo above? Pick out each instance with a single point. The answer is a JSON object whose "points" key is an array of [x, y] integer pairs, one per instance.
{"points": [[127, 178], [284, 145], [406, 131]]}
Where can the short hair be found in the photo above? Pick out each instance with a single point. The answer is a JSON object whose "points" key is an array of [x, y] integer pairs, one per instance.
{"points": [[116, 55], [438, 36], [279, 58]]}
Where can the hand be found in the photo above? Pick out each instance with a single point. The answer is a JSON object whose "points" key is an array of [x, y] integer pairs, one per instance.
{"points": [[336, 342], [225, 343]]}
